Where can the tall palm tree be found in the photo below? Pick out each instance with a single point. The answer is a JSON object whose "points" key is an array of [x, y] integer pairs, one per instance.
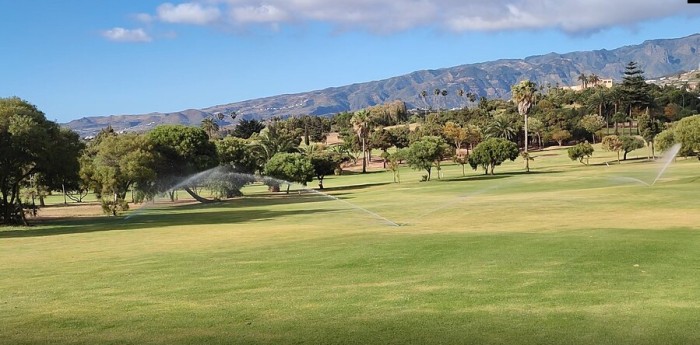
{"points": [[210, 126], [436, 99], [444, 98], [584, 81], [524, 94], [593, 79], [600, 99], [460, 93], [360, 123], [424, 97]]}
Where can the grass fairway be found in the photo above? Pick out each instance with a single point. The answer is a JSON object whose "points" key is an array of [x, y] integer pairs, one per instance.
{"points": [[567, 254]]}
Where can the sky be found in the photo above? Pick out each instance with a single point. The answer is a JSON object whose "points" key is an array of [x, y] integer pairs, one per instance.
{"points": [[78, 58]]}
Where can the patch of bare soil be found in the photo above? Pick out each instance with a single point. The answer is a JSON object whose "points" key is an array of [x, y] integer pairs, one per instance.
{"points": [[72, 210]]}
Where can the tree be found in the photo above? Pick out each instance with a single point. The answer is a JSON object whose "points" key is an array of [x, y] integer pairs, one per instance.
{"points": [[381, 139], [290, 168], [593, 79], [400, 136], [462, 159], [65, 166], [502, 126], [599, 99], [634, 88], [455, 133], [560, 135], [426, 152], [536, 127], [686, 132], [274, 139], [592, 123], [121, 162], [648, 129], [394, 160], [210, 126], [360, 124], [524, 95], [29, 145], [237, 153], [584, 80], [424, 96], [182, 151], [492, 152], [325, 163], [246, 128], [629, 144], [580, 152], [612, 143]]}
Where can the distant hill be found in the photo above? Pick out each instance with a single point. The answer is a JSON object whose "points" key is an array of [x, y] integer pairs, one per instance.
{"points": [[493, 79]]}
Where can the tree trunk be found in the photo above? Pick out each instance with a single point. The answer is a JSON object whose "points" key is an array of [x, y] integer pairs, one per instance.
{"points": [[364, 156], [527, 158], [197, 197]]}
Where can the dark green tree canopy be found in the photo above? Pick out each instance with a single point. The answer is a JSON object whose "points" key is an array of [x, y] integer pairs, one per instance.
{"points": [[30, 144], [246, 128], [426, 152], [581, 152], [237, 153], [290, 167], [183, 150], [492, 152]]}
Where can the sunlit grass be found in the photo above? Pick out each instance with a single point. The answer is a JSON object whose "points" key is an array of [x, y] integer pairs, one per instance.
{"points": [[568, 254]]}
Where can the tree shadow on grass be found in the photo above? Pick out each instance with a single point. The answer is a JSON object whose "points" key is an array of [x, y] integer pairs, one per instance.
{"points": [[353, 187], [199, 215], [497, 176]]}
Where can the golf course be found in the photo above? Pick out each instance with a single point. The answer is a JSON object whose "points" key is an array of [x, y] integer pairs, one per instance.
{"points": [[604, 253]]}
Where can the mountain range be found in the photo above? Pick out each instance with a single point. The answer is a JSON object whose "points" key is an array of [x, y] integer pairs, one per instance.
{"points": [[492, 79]]}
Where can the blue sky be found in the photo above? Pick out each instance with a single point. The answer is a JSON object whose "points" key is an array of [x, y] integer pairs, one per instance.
{"points": [[76, 58]]}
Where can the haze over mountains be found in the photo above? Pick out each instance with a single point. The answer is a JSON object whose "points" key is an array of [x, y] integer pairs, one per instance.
{"points": [[490, 79]]}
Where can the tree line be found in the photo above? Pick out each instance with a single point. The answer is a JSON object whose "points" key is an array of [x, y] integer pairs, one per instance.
{"points": [[38, 156]]}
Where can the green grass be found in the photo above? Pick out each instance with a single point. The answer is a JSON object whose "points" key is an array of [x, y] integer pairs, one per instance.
{"points": [[568, 254]]}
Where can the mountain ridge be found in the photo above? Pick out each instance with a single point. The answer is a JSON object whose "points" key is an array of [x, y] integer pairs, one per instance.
{"points": [[492, 79]]}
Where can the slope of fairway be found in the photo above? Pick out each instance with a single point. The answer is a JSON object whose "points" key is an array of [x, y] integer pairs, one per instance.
{"points": [[568, 254]]}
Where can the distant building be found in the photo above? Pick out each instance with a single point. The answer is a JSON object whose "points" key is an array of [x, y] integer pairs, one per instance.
{"points": [[602, 82]]}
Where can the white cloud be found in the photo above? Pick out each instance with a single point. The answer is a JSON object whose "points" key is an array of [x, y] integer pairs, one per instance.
{"points": [[259, 14], [572, 16], [188, 13], [143, 18], [126, 35]]}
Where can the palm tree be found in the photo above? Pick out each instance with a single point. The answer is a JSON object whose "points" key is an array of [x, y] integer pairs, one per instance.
{"points": [[210, 126], [600, 99], [424, 97], [524, 94], [594, 79], [444, 98], [501, 126], [436, 94], [460, 93], [584, 81], [360, 123]]}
